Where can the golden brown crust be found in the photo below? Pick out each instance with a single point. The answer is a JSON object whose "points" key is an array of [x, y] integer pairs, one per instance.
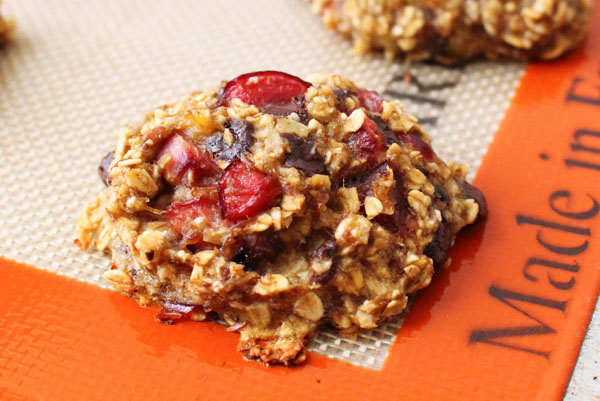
{"points": [[6, 29], [453, 30], [344, 246]]}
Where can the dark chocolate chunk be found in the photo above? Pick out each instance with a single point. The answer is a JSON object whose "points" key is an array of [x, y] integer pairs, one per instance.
{"points": [[326, 251], [439, 247], [440, 194], [340, 96], [304, 156], [104, 166], [257, 248], [285, 109], [471, 192], [396, 222], [242, 140]]}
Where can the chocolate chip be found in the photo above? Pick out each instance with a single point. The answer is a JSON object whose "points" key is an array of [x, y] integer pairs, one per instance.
{"points": [[242, 140], [340, 96], [257, 248], [471, 192], [396, 222], [389, 136], [104, 166], [285, 109], [440, 194], [364, 182], [326, 251], [439, 247], [304, 156]]}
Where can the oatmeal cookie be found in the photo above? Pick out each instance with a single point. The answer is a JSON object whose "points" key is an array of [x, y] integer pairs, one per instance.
{"points": [[278, 205], [449, 31], [6, 29]]}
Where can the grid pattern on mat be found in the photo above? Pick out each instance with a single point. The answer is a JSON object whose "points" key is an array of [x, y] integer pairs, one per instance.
{"points": [[79, 70]]}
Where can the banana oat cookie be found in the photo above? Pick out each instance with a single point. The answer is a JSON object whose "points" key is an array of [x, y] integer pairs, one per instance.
{"points": [[452, 30], [278, 205]]}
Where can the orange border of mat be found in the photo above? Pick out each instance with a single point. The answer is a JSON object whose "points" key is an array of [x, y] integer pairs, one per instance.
{"points": [[482, 331]]}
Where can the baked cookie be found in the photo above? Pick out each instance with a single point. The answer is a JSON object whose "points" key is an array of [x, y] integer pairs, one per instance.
{"points": [[278, 205], [6, 29], [449, 31]]}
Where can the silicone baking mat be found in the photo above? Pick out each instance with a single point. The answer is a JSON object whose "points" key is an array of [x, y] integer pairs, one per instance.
{"points": [[79, 70]]}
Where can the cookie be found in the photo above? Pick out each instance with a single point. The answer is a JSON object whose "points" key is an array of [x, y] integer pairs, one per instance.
{"points": [[6, 29], [450, 31], [278, 205]]}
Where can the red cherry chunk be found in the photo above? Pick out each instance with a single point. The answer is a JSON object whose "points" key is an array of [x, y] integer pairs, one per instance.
{"points": [[370, 100], [418, 144], [173, 311], [244, 191], [265, 88], [367, 141], [179, 156], [181, 215]]}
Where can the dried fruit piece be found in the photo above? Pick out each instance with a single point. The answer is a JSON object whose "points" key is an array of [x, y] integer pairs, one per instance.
{"points": [[182, 215], [370, 100], [244, 191], [304, 156], [183, 162], [104, 167], [402, 138], [273, 90], [172, 311], [417, 143], [367, 141]]}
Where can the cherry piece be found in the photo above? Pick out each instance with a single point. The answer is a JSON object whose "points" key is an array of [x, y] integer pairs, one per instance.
{"points": [[181, 215], [403, 138], [367, 141], [273, 90], [418, 144], [370, 100], [244, 191], [179, 156], [173, 311]]}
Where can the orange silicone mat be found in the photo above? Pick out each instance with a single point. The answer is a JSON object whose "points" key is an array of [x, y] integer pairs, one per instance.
{"points": [[504, 322]]}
